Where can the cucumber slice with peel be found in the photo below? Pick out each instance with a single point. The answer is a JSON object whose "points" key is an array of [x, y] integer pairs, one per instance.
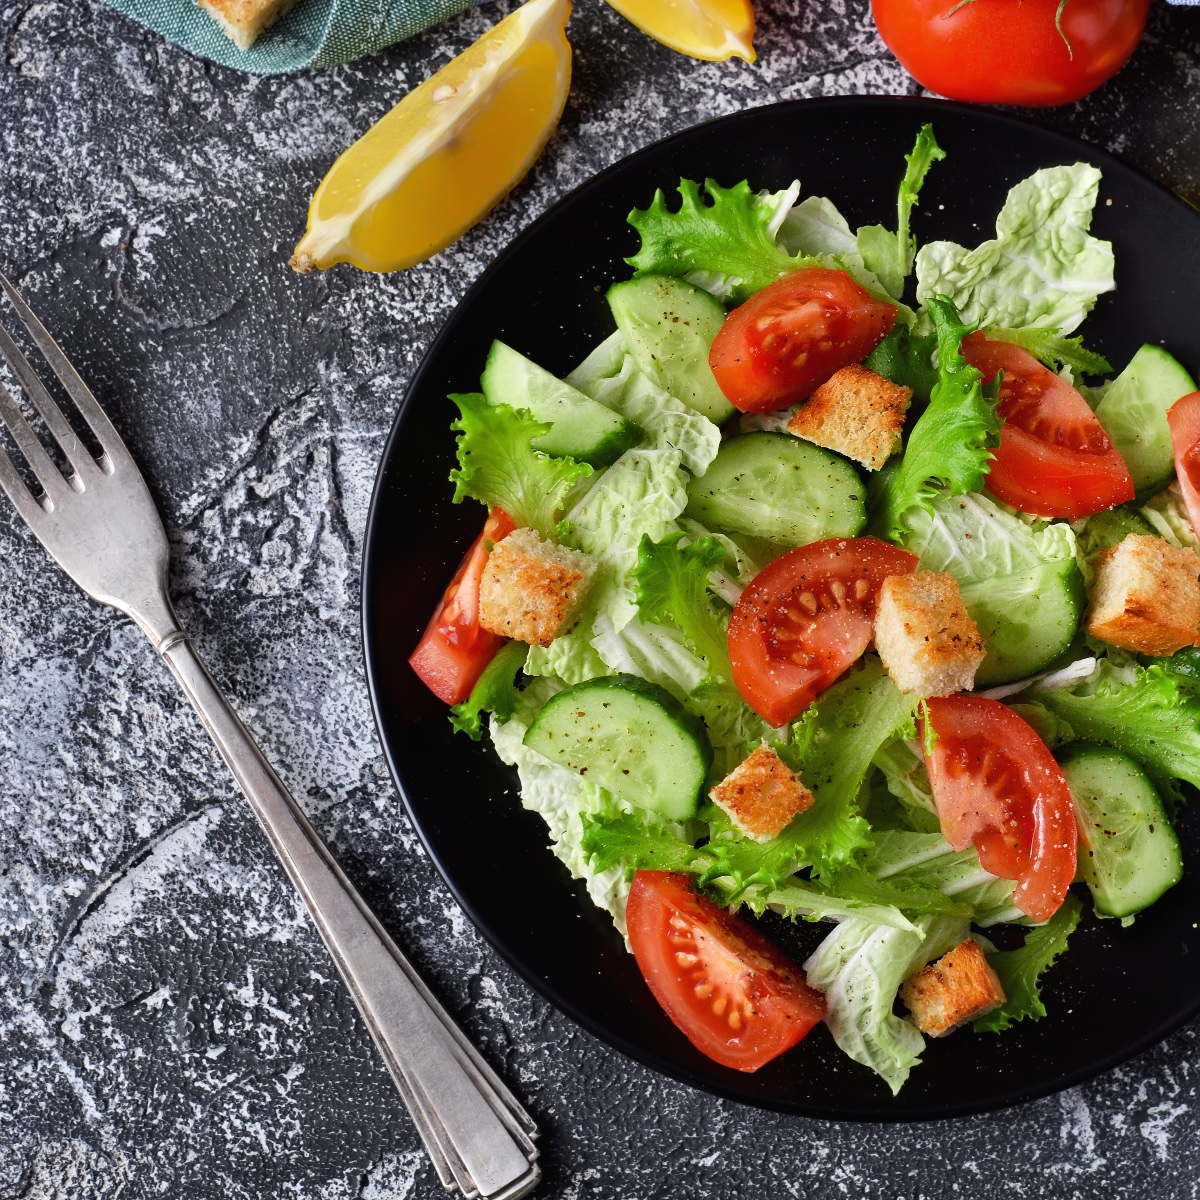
{"points": [[669, 328], [1026, 619], [1134, 414], [632, 738], [776, 487], [1128, 852], [581, 428]]}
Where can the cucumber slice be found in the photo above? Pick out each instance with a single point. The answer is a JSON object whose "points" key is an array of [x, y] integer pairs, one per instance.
{"points": [[1128, 852], [1134, 414], [583, 429], [776, 487], [669, 328], [631, 737], [1026, 619]]}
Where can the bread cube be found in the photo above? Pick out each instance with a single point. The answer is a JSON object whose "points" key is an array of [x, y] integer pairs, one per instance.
{"points": [[762, 795], [1146, 597], [243, 20], [532, 589], [956, 989], [925, 636], [856, 412]]}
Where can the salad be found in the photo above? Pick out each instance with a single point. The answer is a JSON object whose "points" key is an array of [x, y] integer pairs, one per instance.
{"points": [[842, 581]]}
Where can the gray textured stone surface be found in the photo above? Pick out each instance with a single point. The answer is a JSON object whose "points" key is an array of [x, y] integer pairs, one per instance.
{"points": [[169, 1024]]}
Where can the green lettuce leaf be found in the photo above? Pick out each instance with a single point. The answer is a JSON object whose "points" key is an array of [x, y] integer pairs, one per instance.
{"points": [[890, 255], [1167, 515], [671, 586], [925, 863], [498, 465], [949, 447], [907, 780], [610, 375], [728, 234], [495, 692], [562, 798], [1021, 970], [642, 493], [860, 967], [1146, 712], [908, 361], [1056, 352], [835, 742], [632, 842], [1042, 270]]}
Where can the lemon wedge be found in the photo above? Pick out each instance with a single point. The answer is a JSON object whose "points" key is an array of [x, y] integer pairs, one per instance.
{"points": [[436, 164], [708, 29]]}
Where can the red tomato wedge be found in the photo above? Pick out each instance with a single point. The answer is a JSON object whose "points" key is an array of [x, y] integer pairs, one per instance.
{"points": [[1183, 419], [1054, 458], [735, 996], [805, 619], [453, 650], [997, 787], [786, 340]]}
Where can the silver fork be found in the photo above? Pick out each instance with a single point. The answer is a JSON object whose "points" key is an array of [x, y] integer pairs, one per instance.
{"points": [[101, 526]]}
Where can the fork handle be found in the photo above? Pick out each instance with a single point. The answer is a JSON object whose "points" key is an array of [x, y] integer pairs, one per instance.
{"points": [[476, 1132]]}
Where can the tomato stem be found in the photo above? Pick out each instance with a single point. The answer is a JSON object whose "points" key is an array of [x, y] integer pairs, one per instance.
{"points": [[1058, 12]]}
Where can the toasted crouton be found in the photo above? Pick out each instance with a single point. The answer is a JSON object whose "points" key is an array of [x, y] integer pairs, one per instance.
{"points": [[956, 989], [761, 795], [856, 412], [925, 635], [1147, 596], [531, 589], [244, 20]]}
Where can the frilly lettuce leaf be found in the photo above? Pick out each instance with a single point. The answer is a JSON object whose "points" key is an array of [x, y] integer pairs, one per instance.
{"points": [[1042, 270], [726, 232], [890, 255], [498, 465], [494, 692], [1020, 971], [1056, 352], [860, 967], [671, 586], [949, 447], [908, 361], [833, 746], [1146, 712]]}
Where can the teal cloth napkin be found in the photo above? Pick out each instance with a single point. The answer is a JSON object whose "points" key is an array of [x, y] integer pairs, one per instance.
{"points": [[315, 33]]}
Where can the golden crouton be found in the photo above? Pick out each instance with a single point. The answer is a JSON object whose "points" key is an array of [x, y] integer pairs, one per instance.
{"points": [[532, 589], [244, 20], [762, 795], [1147, 596], [857, 413], [925, 635], [956, 989]]}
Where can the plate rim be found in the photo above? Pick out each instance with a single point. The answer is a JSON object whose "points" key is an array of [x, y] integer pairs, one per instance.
{"points": [[370, 564]]}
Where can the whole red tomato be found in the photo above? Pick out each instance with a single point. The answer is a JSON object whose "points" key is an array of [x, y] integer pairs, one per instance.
{"points": [[1010, 51]]}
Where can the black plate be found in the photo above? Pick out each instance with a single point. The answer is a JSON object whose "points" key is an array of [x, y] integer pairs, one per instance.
{"points": [[1118, 990]]}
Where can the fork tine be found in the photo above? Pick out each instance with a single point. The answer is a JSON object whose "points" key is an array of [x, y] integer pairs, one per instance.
{"points": [[48, 475], [22, 498], [77, 454], [93, 414]]}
